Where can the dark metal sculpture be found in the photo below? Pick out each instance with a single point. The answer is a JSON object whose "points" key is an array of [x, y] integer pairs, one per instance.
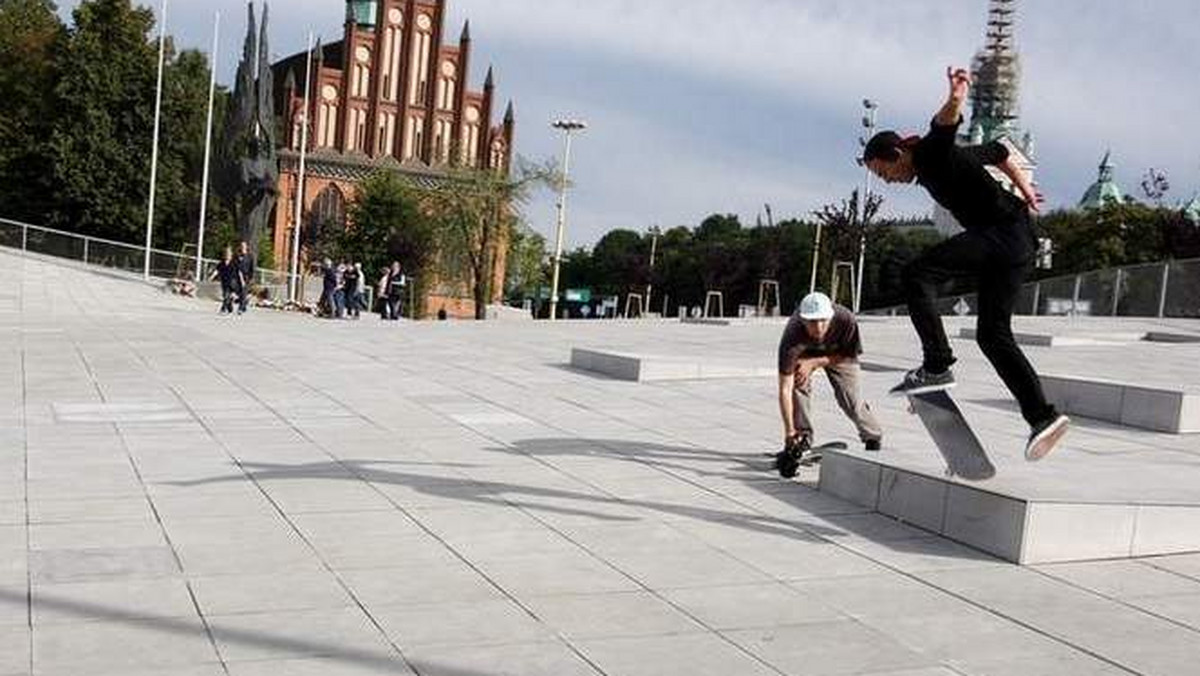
{"points": [[251, 164]]}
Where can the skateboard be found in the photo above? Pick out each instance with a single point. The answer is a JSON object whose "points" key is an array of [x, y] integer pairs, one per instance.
{"points": [[954, 438], [788, 465]]}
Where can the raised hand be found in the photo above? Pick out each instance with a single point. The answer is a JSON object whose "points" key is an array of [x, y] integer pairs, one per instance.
{"points": [[960, 83]]}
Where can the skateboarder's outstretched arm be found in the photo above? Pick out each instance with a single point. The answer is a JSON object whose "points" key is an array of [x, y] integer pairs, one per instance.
{"points": [[960, 85]]}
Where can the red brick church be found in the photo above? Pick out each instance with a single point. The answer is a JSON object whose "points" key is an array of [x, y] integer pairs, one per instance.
{"points": [[392, 94]]}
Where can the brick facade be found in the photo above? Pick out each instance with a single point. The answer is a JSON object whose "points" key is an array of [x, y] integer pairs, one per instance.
{"points": [[390, 95]]}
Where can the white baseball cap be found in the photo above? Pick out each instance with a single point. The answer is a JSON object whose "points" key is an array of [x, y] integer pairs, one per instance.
{"points": [[816, 307]]}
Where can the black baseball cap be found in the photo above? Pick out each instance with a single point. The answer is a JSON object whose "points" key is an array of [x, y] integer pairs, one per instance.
{"points": [[883, 146]]}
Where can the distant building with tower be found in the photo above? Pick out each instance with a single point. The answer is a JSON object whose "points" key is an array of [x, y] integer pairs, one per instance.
{"points": [[1105, 191], [995, 102], [393, 94]]}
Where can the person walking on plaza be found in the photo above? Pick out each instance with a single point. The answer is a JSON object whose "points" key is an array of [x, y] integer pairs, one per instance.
{"points": [[396, 283], [820, 336], [996, 250], [353, 281], [231, 280], [329, 287], [246, 266]]}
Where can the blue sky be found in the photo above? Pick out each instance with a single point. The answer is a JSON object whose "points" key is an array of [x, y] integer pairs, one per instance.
{"points": [[703, 106]]}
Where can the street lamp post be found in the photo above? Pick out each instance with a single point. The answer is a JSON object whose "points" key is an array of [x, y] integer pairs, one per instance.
{"points": [[868, 123], [654, 233], [208, 128], [569, 128], [298, 218], [158, 92]]}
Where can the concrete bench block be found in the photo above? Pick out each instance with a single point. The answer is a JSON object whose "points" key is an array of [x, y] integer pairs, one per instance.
{"points": [[1151, 409], [1060, 532], [1012, 520], [650, 368], [852, 480], [1166, 530], [1174, 411], [1090, 399], [1177, 338], [987, 521], [913, 499]]}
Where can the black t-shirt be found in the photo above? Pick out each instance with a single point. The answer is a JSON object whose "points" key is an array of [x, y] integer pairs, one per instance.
{"points": [[956, 177], [228, 274], [245, 264], [350, 279], [841, 340], [395, 285]]}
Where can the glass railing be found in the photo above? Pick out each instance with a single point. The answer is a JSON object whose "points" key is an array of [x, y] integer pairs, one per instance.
{"points": [[1170, 289]]}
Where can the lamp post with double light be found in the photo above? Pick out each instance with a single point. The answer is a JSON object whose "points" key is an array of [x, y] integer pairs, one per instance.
{"points": [[569, 129], [868, 122]]}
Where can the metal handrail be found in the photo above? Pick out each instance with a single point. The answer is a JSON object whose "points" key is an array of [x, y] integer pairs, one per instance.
{"points": [[265, 277]]}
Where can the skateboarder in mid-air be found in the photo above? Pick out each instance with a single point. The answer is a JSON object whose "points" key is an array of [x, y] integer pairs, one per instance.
{"points": [[819, 336], [997, 250]]}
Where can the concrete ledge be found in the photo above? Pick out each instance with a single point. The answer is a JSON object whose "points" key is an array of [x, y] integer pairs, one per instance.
{"points": [[1009, 524], [1177, 338], [1174, 411], [1056, 340], [731, 321], [648, 368]]}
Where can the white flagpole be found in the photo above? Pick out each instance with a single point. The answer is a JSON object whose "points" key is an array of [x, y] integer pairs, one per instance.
{"points": [[308, 85], [162, 54], [212, 89]]}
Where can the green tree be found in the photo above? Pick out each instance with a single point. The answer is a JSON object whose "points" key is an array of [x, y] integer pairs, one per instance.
{"points": [[621, 261], [388, 222], [30, 35], [477, 210], [844, 225], [526, 264], [1118, 234], [101, 140], [181, 153]]}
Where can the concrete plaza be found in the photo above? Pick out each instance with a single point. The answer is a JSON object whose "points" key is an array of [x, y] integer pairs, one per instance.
{"points": [[184, 494]]}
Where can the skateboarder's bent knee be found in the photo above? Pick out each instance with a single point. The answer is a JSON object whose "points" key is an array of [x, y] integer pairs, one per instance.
{"points": [[821, 336]]}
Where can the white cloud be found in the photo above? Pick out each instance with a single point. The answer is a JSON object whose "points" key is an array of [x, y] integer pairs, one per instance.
{"points": [[1098, 74]]}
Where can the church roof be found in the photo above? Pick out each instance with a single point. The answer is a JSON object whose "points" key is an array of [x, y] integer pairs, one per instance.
{"points": [[1105, 190]]}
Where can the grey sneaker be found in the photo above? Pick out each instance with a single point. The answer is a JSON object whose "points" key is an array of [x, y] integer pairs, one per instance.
{"points": [[919, 380], [1046, 436]]}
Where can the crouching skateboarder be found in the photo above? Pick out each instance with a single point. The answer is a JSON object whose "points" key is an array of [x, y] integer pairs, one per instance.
{"points": [[820, 336], [997, 250]]}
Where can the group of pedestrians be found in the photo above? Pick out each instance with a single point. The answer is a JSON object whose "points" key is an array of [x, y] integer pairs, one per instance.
{"points": [[236, 274], [344, 286]]}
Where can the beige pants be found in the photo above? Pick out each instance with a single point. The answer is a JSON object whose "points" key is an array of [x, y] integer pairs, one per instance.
{"points": [[844, 379]]}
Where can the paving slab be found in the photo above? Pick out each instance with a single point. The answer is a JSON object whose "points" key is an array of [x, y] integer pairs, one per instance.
{"points": [[187, 497]]}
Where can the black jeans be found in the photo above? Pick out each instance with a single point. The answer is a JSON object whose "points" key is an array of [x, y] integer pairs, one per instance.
{"points": [[999, 259]]}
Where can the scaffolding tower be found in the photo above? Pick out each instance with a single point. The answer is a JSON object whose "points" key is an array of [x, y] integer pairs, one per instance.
{"points": [[996, 69]]}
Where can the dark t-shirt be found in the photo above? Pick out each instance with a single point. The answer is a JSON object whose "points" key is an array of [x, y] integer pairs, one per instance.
{"points": [[841, 340], [228, 274], [395, 285], [350, 279], [245, 263], [957, 179]]}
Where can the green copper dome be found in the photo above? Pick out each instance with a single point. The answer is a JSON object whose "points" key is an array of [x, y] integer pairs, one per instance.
{"points": [[1105, 190], [1191, 210], [363, 12]]}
